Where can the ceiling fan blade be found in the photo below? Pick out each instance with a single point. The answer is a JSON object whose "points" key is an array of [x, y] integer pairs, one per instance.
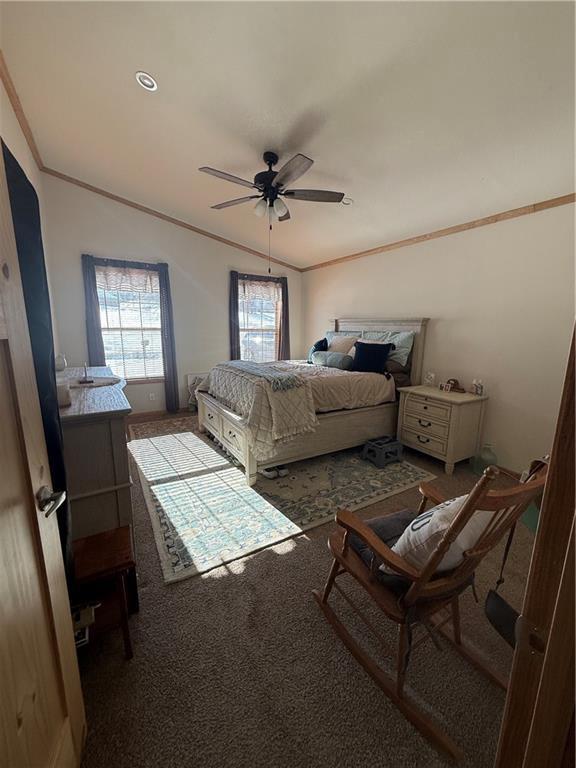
{"points": [[227, 177], [315, 195], [237, 201], [292, 170], [286, 215]]}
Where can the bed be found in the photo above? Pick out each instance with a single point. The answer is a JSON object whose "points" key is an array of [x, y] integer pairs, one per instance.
{"points": [[242, 404]]}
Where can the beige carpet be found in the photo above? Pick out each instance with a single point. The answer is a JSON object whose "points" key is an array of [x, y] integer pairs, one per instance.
{"points": [[238, 669]]}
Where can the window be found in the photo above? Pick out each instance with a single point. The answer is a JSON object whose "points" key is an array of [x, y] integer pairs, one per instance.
{"points": [[259, 318], [130, 319]]}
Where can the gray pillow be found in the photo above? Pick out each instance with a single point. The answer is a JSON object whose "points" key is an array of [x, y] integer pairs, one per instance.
{"points": [[333, 360]]}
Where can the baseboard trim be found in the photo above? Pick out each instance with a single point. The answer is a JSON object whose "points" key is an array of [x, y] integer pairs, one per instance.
{"points": [[144, 416]]}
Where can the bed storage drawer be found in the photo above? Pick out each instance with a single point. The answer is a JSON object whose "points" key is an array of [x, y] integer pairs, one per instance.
{"points": [[423, 442], [425, 426], [232, 436], [213, 421], [423, 406]]}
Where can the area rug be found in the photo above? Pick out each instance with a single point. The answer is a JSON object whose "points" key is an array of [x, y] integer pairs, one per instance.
{"points": [[204, 515]]}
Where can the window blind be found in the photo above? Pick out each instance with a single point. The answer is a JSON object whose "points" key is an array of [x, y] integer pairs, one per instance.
{"points": [[259, 317], [130, 319]]}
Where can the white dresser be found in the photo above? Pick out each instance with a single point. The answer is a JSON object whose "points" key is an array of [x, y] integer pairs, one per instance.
{"points": [[445, 425], [96, 455]]}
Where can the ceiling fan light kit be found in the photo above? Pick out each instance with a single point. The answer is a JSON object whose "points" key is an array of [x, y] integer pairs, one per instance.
{"points": [[280, 207], [261, 207], [271, 185]]}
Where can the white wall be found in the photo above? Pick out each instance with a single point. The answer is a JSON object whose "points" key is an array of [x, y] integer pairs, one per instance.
{"points": [[79, 222], [15, 141], [501, 303]]}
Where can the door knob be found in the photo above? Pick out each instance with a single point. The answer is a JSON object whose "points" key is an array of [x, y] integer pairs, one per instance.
{"points": [[49, 501]]}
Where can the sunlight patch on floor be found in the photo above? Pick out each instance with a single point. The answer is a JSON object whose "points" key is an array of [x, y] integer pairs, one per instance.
{"points": [[208, 514], [170, 456]]}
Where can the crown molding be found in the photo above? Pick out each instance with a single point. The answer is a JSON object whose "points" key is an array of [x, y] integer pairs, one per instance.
{"points": [[19, 111], [445, 232], [14, 99], [514, 213], [164, 217]]}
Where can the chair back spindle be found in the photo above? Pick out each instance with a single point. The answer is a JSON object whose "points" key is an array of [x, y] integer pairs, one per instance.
{"points": [[507, 504]]}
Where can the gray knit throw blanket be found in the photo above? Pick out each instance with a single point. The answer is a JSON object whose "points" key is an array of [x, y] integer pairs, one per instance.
{"points": [[278, 380]]}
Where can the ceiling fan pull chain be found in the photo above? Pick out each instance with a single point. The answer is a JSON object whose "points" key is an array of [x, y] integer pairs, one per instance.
{"points": [[269, 237]]}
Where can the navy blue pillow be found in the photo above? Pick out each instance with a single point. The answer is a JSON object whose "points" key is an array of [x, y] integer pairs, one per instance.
{"points": [[371, 358], [319, 346]]}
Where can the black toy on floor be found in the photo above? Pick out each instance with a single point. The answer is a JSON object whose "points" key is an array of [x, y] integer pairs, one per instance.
{"points": [[382, 451]]}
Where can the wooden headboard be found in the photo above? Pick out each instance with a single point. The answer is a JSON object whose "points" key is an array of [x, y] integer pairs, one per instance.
{"points": [[418, 325]]}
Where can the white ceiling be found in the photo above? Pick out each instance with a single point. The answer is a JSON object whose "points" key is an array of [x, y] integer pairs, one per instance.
{"points": [[426, 114]]}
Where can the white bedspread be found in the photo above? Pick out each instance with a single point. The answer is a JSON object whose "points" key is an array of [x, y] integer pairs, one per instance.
{"points": [[336, 390], [275, 417]]}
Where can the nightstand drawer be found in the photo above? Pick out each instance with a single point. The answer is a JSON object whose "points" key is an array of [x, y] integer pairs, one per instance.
{"points": [[425, 443], [213, 421], [422, 406], [423, 425]]}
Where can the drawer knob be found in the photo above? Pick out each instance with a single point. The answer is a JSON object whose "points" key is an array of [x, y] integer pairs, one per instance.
{"points": [[424, 423], [425, 407], [423, 439]]}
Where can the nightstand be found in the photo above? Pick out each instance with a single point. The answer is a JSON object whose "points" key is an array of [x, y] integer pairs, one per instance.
{"points": [[445, 425]]}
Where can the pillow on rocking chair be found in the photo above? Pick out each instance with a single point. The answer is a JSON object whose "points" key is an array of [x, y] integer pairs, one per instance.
{"points": [[422, 535]]}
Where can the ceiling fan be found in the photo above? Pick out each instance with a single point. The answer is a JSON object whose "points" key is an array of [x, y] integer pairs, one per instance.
{"points": [[271, 186]]}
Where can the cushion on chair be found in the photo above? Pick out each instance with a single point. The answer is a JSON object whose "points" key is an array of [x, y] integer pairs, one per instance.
{"points": [[388, 528], [423, 535]]}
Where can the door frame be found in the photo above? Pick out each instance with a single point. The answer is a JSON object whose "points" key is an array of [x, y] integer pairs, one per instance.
{"points": [[539, 712], [14, 329]]}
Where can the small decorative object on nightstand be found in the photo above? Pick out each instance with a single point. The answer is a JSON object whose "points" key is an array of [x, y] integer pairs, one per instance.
{"points": [[445, 425]]}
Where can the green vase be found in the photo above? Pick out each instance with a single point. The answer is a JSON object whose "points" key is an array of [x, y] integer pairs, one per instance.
{"points": [[484, 459]]}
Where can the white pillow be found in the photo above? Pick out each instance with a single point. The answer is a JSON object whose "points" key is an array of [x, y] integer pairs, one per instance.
{"points": [[421, 538], [342, 344]]}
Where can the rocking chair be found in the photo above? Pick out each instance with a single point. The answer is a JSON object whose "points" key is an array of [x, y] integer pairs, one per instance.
{"points": [[423, 597]]}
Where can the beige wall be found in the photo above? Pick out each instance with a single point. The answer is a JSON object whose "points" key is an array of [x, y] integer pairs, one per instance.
{"points": [[15, 141], [79, 222], [501, 303], [500, 299]]}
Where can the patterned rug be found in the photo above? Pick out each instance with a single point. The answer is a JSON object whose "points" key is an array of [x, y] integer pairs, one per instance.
{"points": [[205, 515]]}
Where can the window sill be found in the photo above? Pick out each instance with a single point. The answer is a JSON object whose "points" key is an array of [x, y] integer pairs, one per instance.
{"points": [[152, 380]]}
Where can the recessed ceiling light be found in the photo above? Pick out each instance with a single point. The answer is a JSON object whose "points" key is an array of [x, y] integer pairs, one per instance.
{"points": [[146, 81]]}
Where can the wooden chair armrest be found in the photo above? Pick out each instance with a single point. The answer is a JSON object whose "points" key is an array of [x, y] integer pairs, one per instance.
{"points": [[429, 491], [351, 523]]}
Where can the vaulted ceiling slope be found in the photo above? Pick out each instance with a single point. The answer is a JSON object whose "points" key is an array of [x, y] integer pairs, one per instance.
{"points": [[426, 114]]}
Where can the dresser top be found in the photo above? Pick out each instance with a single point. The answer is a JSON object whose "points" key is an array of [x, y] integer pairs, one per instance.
{"points": [[433, 393], [90, 402]]}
